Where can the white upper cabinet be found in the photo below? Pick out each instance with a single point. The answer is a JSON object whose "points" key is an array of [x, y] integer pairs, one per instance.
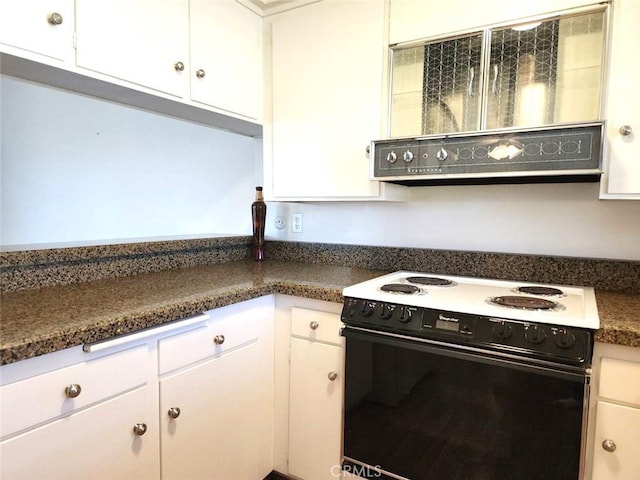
{"points": [[226, 56], [417, 19], [621, 179], [328, 63], [137, 41], [195, 59], [201, 50], [40, 27]]}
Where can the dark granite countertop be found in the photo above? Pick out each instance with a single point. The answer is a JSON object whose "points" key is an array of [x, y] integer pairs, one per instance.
{"points": [[39, 321]]}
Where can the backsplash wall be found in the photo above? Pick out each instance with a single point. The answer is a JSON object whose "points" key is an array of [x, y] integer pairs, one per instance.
{"points": [[77, 169], [544, 219]]}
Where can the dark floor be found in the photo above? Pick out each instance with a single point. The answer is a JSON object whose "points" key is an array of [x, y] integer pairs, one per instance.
{"points": [[276, 476]]}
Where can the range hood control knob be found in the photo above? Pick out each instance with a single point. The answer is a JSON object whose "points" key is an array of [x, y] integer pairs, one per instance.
{"points": [[407, 156], [442, 155], [392, 157]]}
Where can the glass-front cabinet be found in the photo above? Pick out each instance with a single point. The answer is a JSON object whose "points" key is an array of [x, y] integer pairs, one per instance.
{"points": [[542, 72]]}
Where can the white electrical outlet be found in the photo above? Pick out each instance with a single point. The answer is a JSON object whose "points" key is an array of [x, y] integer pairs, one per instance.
{"points": [[280, 222], [296, 223]]}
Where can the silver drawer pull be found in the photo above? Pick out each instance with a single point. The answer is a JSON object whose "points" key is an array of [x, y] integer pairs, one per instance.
{"points": [[609, 445], [218, 339], [200, 73], [140, 429], [174, 412], [314, 325], [54, 18], [332, 376], [73, 390]]}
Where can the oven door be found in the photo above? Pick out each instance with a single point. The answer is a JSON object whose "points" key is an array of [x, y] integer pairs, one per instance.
{"points": [[419, 410]]}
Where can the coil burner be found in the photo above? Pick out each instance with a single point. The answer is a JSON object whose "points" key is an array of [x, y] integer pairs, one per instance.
{"points": [[401, 288], [525, 303], [431, 281]]}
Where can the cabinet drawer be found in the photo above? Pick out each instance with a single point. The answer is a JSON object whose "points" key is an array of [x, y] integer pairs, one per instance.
{"points": [[213, 338], [316, 325], [620, 380], [38, 399]]}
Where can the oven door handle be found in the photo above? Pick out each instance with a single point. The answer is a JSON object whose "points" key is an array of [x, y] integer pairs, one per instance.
{"points": [[565, 372]]}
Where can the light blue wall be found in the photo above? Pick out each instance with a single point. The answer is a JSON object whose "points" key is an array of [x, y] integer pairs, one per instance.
{"points": [[77, 169]]}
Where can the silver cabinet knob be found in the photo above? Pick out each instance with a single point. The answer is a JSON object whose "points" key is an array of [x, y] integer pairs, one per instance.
{"points": [[218, 339], [392, 157], [174, 412], [140, 429], [625, 130], [407, 156], [314, 325], [332, 376], [609, 445], [73, 390], [368, 150], [179, 66], [200, 73], [55, 18]]}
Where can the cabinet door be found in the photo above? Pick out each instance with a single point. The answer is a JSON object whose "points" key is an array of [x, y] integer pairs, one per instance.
{"points": [[139, 41], [327, 94], [621, 425], [223, 430], [622, 175], [44, 27], [315, 410], [93, 444], [226, 47]]}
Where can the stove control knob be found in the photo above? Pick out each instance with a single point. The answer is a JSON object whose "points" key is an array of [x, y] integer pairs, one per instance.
{"points": [[503, 330], [405, 315], [351, 307], [385, 311], [535, 334], [367, 309], [564, 338], [407, 156], [392, 157]]}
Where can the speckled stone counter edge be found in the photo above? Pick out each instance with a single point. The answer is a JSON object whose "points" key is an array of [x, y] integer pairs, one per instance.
{"points": [[616, 275], [64, 338], [61, 266]]}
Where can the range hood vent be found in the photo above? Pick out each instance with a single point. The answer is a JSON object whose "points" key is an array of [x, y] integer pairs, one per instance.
{"points": [[559, 153]]}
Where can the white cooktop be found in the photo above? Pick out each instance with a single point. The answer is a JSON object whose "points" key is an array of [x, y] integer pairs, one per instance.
{"points": [[577, 305]]}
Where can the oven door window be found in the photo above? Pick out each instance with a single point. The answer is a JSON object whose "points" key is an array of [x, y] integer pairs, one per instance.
{"points": [[425, 415]]}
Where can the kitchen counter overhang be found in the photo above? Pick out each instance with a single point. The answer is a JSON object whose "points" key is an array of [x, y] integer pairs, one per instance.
{"points": [[39, 321]]}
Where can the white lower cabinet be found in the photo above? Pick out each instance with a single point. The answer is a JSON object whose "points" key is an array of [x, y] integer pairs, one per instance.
{"points": [[310, 380], [98, 443], [109, 414], [315, 410], [615, 420], [216, 415]]}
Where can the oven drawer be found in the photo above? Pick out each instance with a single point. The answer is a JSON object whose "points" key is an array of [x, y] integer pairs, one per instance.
{"points": [[316, 325]]}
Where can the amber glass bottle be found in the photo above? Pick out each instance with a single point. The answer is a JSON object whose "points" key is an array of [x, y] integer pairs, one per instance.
{"points": [[258, 216]]}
